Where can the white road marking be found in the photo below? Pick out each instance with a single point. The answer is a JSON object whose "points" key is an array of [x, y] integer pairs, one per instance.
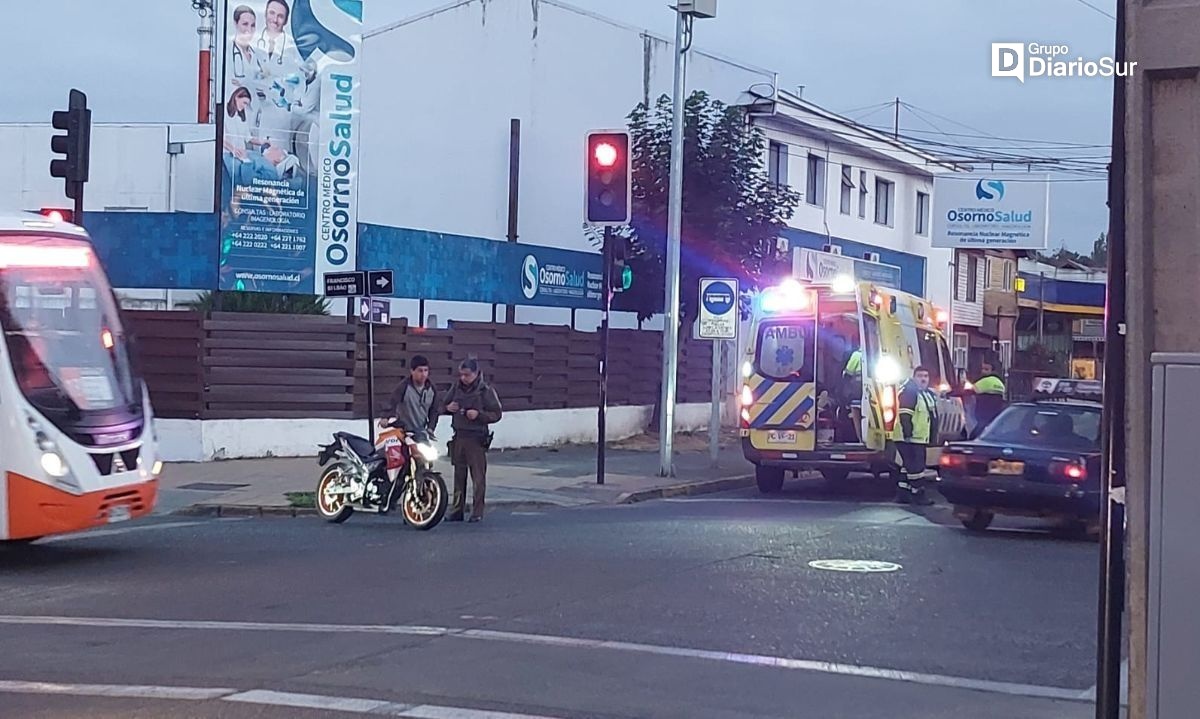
{"points": [[809, 665], [113, 532], [114, 690], [317, 701], [266, 697]]}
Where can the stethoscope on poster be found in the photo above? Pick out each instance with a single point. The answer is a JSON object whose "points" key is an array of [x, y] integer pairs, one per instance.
{"points": [[263, 45]]}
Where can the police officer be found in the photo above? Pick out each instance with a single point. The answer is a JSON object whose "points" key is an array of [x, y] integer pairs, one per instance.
{"points": [[915, 430], [989, 398]]}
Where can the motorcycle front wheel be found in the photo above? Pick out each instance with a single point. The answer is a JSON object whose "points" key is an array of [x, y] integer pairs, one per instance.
{"points": [[331, 496], [424, 501]]}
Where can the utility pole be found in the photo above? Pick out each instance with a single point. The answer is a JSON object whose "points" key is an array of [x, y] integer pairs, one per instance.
{"points": [[1154, 478], [204, 74], [686, 12]]}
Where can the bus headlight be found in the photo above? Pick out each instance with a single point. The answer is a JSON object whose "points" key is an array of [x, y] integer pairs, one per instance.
{"points": [[54, 464], [428, 451]]}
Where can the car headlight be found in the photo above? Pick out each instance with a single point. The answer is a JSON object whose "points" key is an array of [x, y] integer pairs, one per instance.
{"points": [[54, 464], [428, 451]]}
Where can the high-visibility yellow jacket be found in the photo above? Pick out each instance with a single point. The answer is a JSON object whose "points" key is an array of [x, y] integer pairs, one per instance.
{"points": [[853, 366], [918, 414], [991, 384]]}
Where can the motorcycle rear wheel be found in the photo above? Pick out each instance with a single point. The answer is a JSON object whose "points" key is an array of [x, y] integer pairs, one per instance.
{"points": [[424, 501], [332, 506]]}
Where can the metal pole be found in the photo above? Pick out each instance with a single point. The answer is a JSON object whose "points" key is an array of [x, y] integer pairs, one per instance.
{"points": [[1041, 308], [1112, 475], [371, 377], [714, 419], [79, 203], [514, 195], [674, 230], [602, 409], [896, 131]]}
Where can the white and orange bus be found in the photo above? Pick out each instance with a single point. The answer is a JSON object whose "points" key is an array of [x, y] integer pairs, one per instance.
{"points": [[77, 449]]}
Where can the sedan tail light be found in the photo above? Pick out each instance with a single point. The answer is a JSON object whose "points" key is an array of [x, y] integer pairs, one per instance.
{"points": [[953, 461], [1068, 471]]}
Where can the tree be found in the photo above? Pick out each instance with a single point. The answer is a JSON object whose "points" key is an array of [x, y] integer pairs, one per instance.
{"points": [[732, 213], [1100, 250], [263, 302]]}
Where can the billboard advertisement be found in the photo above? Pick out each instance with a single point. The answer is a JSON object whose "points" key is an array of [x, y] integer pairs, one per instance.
{"points": [[989, 212], [291, 94], [816, 266]]}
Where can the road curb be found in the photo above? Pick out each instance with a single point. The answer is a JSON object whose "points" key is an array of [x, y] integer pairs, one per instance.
{"points": [[687, 489], [247, 510]]}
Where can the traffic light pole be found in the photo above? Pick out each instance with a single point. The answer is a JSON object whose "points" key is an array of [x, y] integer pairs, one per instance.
{"points": [[670, 360], [602, 410]]}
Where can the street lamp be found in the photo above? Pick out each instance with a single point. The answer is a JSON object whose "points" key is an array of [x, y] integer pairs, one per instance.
{"points": [[686, 12]]}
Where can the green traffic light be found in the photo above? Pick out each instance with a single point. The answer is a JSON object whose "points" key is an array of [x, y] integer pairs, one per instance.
{"points": [[626, 277]]}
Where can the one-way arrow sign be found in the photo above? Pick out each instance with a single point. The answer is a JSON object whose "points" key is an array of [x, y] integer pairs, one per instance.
{"points": [[379, 282]]}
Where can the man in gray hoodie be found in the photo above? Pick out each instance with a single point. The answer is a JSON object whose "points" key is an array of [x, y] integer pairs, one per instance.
{"points": [[474, 406]]}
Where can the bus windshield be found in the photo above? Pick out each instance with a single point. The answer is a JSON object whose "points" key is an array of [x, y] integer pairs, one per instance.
{"points": [[62, 329]]}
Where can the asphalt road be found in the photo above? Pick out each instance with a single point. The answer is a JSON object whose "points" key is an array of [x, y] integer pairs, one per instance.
{"points": [[702, 607]]}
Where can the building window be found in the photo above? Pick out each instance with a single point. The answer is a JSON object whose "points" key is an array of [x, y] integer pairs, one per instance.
{"points": [[777, 164], [1005, 354], [862, 194], [962, 343], [972, 278], [847, 188], [1009, 275], [922, 213], [816, 180], [885, 200]]}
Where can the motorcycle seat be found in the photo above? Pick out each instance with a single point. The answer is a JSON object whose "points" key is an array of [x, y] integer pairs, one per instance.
{"points": [[359, 445]]}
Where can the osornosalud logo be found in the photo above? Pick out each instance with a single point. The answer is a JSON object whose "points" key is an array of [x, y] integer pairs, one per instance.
{"points": [[1038, 60], [989, 190], [529, 277]]}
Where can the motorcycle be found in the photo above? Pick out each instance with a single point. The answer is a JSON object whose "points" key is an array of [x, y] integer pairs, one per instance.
{"points": [[395, 472]]}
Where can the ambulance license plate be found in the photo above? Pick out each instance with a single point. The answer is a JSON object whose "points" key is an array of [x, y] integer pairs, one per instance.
{"points": [[780, 437]]}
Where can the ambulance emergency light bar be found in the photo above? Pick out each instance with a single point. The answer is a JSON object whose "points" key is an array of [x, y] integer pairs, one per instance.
{"points": [[787, 296]]}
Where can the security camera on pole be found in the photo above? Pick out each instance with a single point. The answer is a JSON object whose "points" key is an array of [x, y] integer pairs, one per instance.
{"points": [[687, 11]]}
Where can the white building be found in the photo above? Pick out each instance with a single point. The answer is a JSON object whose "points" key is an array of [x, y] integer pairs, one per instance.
{"points": [[441, 90]]}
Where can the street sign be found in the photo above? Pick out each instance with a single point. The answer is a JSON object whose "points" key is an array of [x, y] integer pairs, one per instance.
{"points": [[374, 310], [379, 282], [718, 309], [345, 284]]}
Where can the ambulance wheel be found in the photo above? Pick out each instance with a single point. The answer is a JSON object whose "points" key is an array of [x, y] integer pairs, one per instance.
{"points": [[770, 479]]}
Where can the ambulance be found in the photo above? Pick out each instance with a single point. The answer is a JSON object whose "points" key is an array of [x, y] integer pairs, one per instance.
{"points": [[822, 375]]}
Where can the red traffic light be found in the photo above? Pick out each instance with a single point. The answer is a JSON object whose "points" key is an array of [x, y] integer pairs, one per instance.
{"points": [[605, 154]]}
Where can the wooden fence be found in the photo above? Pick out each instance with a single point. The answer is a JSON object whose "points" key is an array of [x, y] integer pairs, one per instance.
{"points": [[240, 365]]}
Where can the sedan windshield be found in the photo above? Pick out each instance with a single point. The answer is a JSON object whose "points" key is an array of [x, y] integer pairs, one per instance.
{"points": [[1065, 427]]}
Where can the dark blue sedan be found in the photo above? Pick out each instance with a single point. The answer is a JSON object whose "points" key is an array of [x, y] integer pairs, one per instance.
{"points": [[1036, 459]]}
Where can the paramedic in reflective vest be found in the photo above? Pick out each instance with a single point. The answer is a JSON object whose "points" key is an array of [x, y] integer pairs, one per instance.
{"points": [[989, 398], [851, 399], [913, 433]]}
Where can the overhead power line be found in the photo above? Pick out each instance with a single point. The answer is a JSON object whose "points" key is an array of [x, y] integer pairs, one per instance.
{"points": [[1102, 11]]}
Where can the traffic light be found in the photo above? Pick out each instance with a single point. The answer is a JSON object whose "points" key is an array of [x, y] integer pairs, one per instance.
{"points": [[57, 214], [620, 274], [609, 186], [74, 146]]}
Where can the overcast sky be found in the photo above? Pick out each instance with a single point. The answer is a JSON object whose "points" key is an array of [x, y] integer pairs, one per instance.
{"points": [[136, 60]]}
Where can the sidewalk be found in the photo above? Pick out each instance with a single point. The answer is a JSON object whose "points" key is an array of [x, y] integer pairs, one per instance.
{"points": [[527, 478]]}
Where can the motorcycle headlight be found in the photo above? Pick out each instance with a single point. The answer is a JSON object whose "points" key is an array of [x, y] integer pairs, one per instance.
{"points": [[428, 451]]}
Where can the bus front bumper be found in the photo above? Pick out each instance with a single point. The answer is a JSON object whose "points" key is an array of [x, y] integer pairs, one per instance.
{"points": [[36, 509]]}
